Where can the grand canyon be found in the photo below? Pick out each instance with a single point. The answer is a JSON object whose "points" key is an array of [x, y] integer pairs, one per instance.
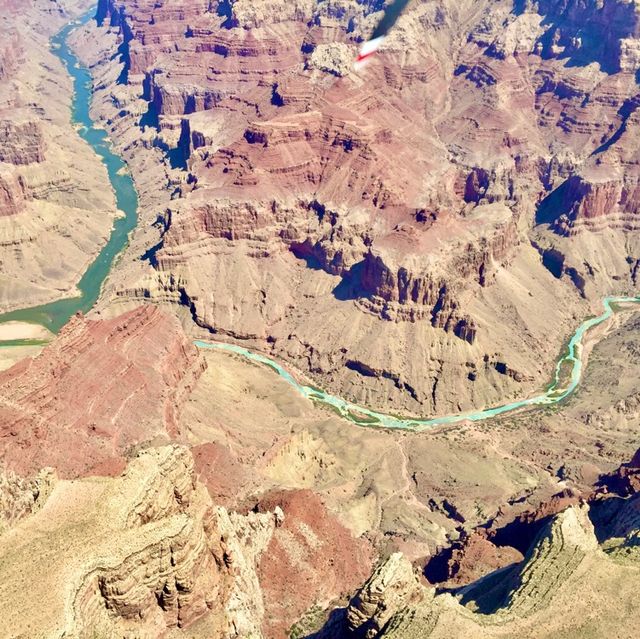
{"points": [[290, 348]]}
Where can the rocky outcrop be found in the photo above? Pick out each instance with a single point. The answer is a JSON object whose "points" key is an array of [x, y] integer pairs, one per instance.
{"points": [[499, 544], [146, 553], [22, 496], [100, 388], [503, 541], [612, 29], [396, 605], [569, 538], [391, 587], [403, 296], [22, 142], [523, 529], [587, 201]]}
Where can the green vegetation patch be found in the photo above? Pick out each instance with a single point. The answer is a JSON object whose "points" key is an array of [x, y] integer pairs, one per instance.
{"points": [[23, 342], [273, 367], [362, 419], [311, 622]]}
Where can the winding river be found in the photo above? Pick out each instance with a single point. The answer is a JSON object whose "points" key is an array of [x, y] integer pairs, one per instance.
{"points": [[56, 314], [566, 379]]}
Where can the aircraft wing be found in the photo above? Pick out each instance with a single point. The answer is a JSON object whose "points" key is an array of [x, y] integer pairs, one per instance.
{"points": [[390, 17]]}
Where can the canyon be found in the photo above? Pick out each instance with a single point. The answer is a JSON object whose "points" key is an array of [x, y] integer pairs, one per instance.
{"points": [[420, 238], [55, 212], [283, 216]]}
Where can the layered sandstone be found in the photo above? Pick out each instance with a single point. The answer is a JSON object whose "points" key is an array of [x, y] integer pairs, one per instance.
{"points": [[23, 142], [13, 195], [102, 387], [376, 233]]}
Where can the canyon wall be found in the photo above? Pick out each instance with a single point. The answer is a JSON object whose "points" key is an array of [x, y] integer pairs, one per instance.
{"points": [[419, 203]]}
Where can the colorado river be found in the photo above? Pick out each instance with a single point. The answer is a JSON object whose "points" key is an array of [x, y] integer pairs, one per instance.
{"points": [[557, 391], [55, 315]]}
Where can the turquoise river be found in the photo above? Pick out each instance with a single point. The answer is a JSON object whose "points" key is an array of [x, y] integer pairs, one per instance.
{"points": [[55, 315]]}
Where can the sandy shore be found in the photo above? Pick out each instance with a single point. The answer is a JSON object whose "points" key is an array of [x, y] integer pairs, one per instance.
{"points": [[23, 330], [11, 355]]}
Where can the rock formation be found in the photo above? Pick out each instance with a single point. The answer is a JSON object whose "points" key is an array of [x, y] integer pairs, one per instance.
{"points": [[395, 604], [13, 195], [102, 387], [420, 238], [142, 554], [418, 202]]}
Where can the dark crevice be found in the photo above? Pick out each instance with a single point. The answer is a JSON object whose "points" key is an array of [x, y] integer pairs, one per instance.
{"points": [[276, 97], [150, 254], [225, 10], [550, 208], [553, 261], [150, 118], [367, 371], [625, 112], [350, 287]]}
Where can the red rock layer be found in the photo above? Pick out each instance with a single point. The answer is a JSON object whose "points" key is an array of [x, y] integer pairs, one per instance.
{"points": [[278, 129], [472, 558], [13, 195], [98, 389], [311, 558]]}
